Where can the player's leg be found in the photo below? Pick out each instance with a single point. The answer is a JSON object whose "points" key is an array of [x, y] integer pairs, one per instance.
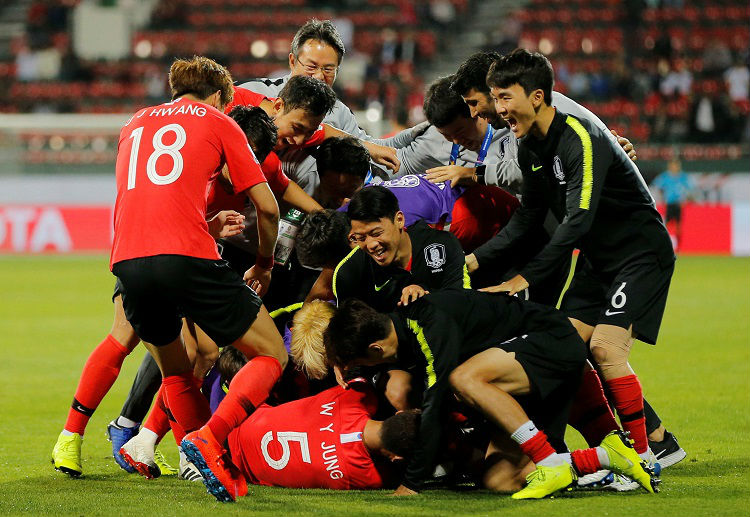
{"points": [[398, 390], [505, 465], [145, 385], [488, 381], [99, 374]]}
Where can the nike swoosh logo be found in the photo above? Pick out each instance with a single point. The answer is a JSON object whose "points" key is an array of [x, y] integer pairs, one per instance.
{"points": [[612, 313], [378, 288], [535, 167]]}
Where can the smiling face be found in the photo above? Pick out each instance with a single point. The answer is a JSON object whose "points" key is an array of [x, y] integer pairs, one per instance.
{"points": [[517, 109], [481, 105], [379, 239], [466, 132], [315, 59], [294, 126]]}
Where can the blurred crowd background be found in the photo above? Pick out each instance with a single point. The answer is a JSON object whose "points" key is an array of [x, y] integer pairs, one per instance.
{"points": [[671, 75]]}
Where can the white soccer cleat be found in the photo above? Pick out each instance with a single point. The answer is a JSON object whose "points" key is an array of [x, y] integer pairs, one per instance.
{"points": [[139, 453]]}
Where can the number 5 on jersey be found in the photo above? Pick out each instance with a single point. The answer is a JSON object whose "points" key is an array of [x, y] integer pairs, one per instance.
{"points": [[160, 149]]}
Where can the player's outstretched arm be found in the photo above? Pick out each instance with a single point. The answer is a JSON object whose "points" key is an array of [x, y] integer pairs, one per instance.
{"points": [[258, 277], [385, 156], [299, 199]]}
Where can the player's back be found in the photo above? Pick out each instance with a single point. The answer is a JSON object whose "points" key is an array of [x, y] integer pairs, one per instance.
{"points": [[167, 157], [315, 442], [422, 199]]}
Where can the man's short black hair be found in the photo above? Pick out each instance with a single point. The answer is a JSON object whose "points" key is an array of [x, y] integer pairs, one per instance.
{"points": [[258, 127], [399, 432], [323, 239], [372, 204], [321, 30], [352, 329], [230, 361], [473, 73], [442, 105], [343, 155], [531, 70], [309, 94]]}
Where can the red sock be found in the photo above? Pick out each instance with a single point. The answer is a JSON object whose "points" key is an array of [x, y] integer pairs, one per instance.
{"points": [[628, 399], [99, 374], [249, 389], [585, 461], [158, 419], [186, 404], [591, 415], [537, 447]]}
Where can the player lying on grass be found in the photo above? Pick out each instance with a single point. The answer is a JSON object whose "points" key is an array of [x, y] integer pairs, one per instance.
{"points": [[159, 261], [519, 363]]}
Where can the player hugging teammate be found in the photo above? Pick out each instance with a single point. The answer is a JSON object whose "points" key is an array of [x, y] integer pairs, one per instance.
{"points": [[379, 365]]}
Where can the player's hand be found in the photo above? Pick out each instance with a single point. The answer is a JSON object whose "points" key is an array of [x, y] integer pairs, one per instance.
{"points": [[258, 279], [402, 490], [385, 156], [471, 263], [456, 174], [412, 293], [226, 224], [512, 286], [340, 377], [626, 145]]}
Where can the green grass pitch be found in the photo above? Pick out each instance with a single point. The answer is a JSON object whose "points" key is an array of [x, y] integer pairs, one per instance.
{"points": [[54, 310]]}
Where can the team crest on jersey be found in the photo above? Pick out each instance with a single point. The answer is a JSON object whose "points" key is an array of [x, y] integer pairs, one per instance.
{"points": [[410, 180], [503, 146], [557, 168], [434, 255]]}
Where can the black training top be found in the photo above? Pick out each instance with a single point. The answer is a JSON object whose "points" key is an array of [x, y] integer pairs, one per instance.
{"points": [[597, 193], [437, 262], [442, 329]]}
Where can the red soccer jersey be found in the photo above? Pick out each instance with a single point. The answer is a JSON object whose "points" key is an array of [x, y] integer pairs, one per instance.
{"points": [[167, 158], [219, 199], [245, 97], [315, 442]]}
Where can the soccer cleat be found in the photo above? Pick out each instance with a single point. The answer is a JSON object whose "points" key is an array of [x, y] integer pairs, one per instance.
{"points": [[139, 454], [119, 435], [207, 454], [164, 466], [546, 481], [625, 461], [66, 455], [188, 471], [596, 479], [668, 451]]}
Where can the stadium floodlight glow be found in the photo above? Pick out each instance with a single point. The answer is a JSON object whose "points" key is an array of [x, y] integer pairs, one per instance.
{"points": [[587, 45], [56, 143], [259, 49], [374, 112], [546, 46], [142, 49]]}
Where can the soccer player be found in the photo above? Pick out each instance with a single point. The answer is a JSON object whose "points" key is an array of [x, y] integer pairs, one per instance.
{"points": [[391, 264], [471, 83], [571, 167], [675, 187], [329, 440], [520, 364], [169, 266]]}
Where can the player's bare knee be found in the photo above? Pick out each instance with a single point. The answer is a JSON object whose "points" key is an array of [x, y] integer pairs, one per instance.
{"points": [[398, 395], [461, 379]]}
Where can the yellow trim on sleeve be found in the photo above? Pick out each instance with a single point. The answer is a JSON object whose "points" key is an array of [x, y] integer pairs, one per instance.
{"points": [[282, 310], [587, 184], [419, 332], [467, 278], [336, 272]]}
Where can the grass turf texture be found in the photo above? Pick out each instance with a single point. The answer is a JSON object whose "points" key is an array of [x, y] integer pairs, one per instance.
{"points": [[54, 310]]}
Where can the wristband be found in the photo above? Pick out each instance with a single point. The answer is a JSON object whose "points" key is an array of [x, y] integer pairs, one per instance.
{"points": [[264, 262], [479, 173]]}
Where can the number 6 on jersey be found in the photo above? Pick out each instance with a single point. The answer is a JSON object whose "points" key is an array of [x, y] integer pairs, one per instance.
{"points": [[160, 148]]}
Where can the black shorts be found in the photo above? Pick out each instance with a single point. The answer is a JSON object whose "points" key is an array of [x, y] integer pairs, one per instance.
{"points": [[554, 366], [157, 292], [674, 212], [636, 295]]}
